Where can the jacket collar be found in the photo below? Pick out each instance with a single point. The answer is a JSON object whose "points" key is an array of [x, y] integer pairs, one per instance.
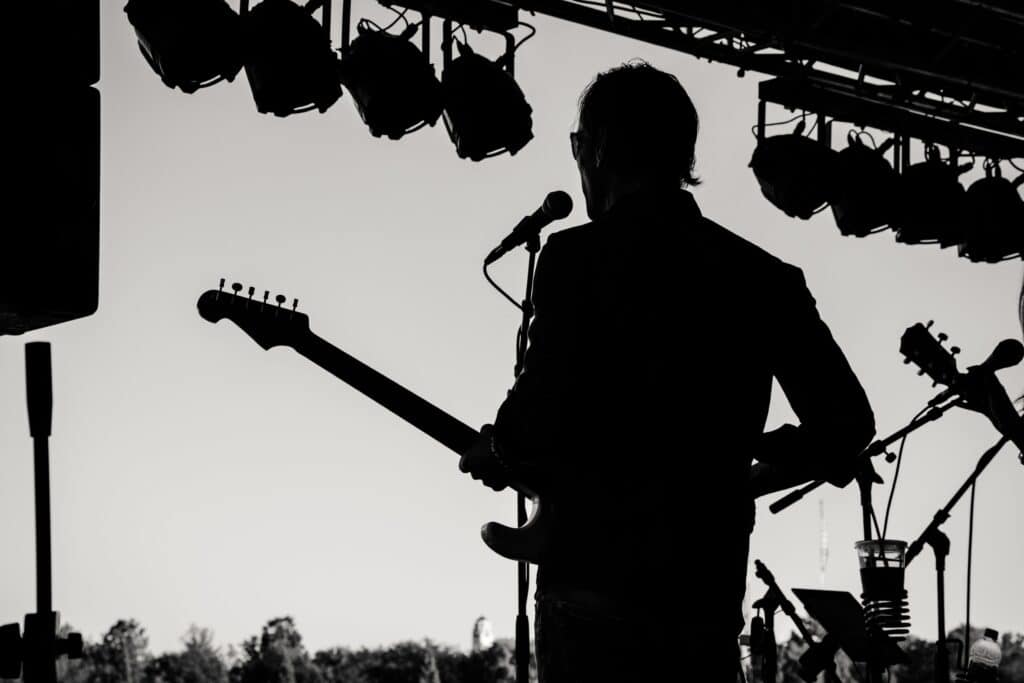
{"points": [[653, 203]]}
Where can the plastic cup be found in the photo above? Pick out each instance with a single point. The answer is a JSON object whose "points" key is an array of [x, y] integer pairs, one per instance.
{"points": [[882, 564]]}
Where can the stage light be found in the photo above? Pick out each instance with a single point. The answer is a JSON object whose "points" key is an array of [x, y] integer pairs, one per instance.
{"points": [[930, 202], [865, 186], [392, 82], [994, 216], [288, 59], [796, 174], [190, 44], [485, 111]]}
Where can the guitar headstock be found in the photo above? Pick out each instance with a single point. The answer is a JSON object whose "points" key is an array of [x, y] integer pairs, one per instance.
{"points": [[921, 348], [269, 323]]}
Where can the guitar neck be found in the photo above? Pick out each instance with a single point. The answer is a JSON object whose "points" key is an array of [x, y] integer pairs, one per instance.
{"points": [[418, 412]]}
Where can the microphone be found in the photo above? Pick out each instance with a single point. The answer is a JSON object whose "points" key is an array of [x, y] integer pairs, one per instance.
{"points": [[1006, 354], [556, 205]]}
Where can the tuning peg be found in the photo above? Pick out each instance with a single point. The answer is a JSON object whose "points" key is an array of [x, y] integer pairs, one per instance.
{"points": [[266, 295], [252, 290], [221, 288], [942, 336], [295, 304], [236, 287], [906, 361], [920, 372], [954, 350], [280, 299], [929, 325]]}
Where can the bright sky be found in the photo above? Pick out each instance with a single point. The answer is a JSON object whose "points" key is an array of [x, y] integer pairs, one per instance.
{"points": [[199, 479]]}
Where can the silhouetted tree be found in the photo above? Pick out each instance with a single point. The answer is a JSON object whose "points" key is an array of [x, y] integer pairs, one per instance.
{"points": [[341, 665], [277, 656], [199, 662], [121, 656], [402, 663], [493, 665]]}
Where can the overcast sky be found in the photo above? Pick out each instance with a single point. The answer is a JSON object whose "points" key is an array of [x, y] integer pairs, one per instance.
{"points": [[199, 479]]}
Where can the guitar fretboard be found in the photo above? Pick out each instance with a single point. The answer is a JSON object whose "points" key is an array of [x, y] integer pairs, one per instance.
{"points": [[418, 412]]}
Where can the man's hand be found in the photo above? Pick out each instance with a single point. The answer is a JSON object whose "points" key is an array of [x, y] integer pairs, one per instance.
{"points": [[481, 464]]}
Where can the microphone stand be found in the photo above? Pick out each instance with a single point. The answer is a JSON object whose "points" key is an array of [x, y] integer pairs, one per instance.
{"points": [[34, 655], [933, 536], [767, 647], [865, 480], [523, 567], [876, 448], [819, 657]]}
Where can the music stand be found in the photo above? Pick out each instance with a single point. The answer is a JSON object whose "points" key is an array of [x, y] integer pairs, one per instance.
{"points": [[842, 617]]}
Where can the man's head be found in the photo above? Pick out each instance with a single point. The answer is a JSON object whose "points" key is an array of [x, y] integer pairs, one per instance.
{"points": [[637, 128]]}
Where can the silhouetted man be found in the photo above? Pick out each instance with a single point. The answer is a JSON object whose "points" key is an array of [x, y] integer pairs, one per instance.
{"points": [[644, 397]]}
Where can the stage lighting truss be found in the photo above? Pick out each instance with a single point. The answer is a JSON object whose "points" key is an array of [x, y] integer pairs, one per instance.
{"points": [[190, 44], [288, 58], [994, 218], [391, 80], [485, 111], [923, 203]]}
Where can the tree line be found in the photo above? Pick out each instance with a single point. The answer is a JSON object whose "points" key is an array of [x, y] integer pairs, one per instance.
{"points": [[277, 655]]}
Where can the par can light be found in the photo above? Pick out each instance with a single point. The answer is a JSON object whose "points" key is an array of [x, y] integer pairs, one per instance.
{"points": [[485, 111], [288, 59], [995, 218], [190, 44], [392, 82], [795, 173]]}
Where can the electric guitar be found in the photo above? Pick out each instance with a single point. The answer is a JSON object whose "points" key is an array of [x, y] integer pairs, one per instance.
{"points": [[272, 325]]}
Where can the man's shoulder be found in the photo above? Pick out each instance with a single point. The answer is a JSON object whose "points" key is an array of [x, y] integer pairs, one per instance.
{"points": [[725, 245], [575, 234], [742, 248], [570, 240]]}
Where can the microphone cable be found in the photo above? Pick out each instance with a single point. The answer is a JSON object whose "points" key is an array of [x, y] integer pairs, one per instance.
{"points": [[896, 474], [487, 276]]}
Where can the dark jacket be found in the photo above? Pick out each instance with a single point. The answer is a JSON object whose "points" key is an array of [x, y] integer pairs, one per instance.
{"points": [[646, 388]]}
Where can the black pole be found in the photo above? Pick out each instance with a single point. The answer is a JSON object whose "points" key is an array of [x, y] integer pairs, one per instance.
{"points": [[522, 567], [864, 483], [940, 544], [44, 572], [942, 515], [346, 20], [770, 655], [39, 391]]}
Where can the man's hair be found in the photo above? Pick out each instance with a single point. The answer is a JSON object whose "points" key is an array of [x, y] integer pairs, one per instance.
{"points": [[647, 119]]}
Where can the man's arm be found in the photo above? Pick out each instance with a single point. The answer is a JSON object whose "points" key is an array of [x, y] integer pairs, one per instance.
{"points": [[526, 427], [836, 421]]}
